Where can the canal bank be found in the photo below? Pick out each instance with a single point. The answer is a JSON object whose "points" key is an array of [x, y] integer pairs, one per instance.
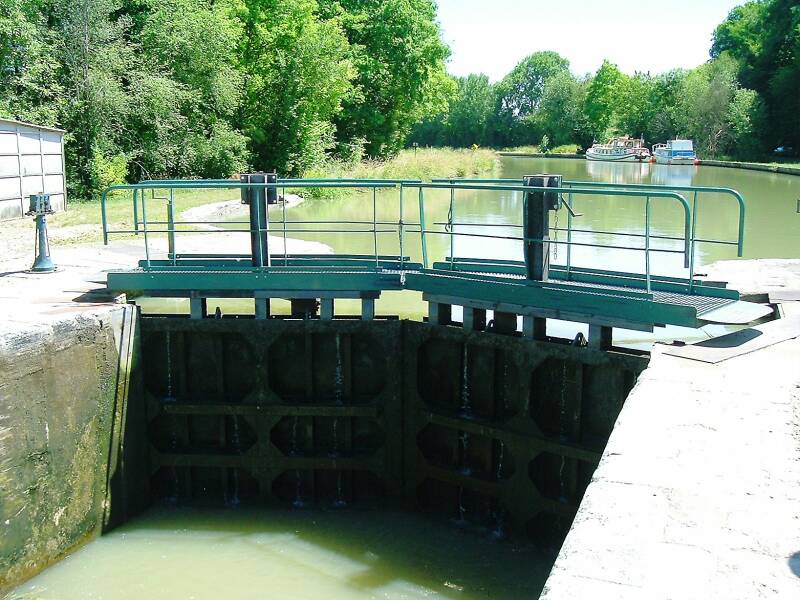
{"points": [[727, 164], [696, 495], [61, 385]]}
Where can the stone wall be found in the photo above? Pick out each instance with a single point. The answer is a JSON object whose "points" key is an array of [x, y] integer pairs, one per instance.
{"points": [[63, 392]]}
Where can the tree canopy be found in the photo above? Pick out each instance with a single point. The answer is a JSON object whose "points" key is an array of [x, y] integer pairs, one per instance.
{"points": [[763, 37], [181, 88], [739, 104]]}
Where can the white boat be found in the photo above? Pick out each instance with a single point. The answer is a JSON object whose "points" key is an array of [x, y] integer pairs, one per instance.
{"points": [[675, 152], [620, 150]]}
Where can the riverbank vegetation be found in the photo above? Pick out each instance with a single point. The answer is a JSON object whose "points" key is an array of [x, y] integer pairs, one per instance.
{"points": [[422, 163], [740, 104], [206, 88]]}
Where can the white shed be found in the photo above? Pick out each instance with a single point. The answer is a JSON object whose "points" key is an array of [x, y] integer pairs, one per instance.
{"points": [[31, 162]]}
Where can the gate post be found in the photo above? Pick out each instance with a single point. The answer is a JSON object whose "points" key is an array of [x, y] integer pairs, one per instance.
{"points": [[258, 199], [536, 224]]}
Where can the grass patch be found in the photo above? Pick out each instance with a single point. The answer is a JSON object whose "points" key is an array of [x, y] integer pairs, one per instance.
{"points": [[119, 206], [80, 223], [424, 164], [767, 161], [794, 165], [429, 163], [563, 149]]}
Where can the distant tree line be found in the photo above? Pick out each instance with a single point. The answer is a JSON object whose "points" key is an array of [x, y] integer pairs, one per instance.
{"points": [[180, 88], [741, 103]]}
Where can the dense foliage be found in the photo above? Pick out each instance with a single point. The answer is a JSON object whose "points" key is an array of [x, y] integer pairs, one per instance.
{"points": [[178, 88], [181, 88], [763, 37], [741, 103]]}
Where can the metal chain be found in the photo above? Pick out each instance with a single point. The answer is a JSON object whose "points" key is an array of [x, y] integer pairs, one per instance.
{"points": [[555, 246]]}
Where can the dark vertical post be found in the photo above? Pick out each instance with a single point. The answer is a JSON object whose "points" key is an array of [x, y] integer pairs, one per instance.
{"points": [[272, 193], [536, 224], [256, 198], [600, 337]]}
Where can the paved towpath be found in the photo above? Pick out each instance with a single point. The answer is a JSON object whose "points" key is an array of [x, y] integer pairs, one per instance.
{"points": [[697, 495], [78, 284]]}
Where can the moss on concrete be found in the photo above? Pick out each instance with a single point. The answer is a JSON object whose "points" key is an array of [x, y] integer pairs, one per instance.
{"points": [[58, 392]]}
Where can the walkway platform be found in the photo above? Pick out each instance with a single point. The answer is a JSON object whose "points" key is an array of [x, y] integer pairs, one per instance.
{"points": [[606, 298]]}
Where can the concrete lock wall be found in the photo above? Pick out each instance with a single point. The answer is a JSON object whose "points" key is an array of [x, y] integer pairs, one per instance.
{"points": [[497, 430], [64, 388], [31, 162]]}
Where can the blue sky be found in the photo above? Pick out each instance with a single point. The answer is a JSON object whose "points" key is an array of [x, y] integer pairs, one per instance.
{"points": [[491, 36]]}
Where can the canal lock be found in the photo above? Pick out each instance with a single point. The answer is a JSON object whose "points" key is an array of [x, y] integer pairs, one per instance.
{"points": [[500, 433]]}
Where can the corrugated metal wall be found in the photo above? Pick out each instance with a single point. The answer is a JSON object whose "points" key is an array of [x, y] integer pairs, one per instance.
{"points": [[31, 162]]}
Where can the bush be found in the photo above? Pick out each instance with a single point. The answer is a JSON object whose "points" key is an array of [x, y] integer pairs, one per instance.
{"points": [[106, 171], [221, 154], [544, 146]]}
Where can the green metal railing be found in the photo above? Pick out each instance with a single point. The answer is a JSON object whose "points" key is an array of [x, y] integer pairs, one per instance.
{"points": [[578, 187], [172, 225], [648, 193]]}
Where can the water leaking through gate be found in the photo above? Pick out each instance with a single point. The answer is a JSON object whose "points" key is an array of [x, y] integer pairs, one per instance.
{"points": [[498, 432]]}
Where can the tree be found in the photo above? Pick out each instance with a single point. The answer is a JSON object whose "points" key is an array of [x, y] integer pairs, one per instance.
{"points": [[464, 123], [94, 61], [741, 36], [704, 107], [469, 111], [665, 97], [601, 98], [560, 115], [780, 60], [746, 119], [764, 39], [28, 75], [636, 105], [399, 56], [297, 72], [185, 94], [519, 95]]}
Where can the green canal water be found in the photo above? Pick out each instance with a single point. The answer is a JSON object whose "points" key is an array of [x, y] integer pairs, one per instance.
{"points": [[772, 229], [172, 554]]}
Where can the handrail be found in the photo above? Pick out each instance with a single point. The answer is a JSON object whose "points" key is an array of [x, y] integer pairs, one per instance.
{"points": [[599, 184], [286, 180], [681, 188], [260, 258], [218, 185], [228, 184], [587, 191], [386, 225]]}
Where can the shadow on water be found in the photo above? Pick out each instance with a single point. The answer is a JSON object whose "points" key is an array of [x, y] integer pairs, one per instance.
{"points": [[794, 563], [383, 547]]}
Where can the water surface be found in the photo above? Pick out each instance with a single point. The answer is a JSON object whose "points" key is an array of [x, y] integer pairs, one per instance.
{"points": [[171, 554]]}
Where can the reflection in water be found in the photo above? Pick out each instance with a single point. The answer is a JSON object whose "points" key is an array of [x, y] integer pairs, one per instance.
{"points": [[613, 172], [673, 175], [342, 555]]}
